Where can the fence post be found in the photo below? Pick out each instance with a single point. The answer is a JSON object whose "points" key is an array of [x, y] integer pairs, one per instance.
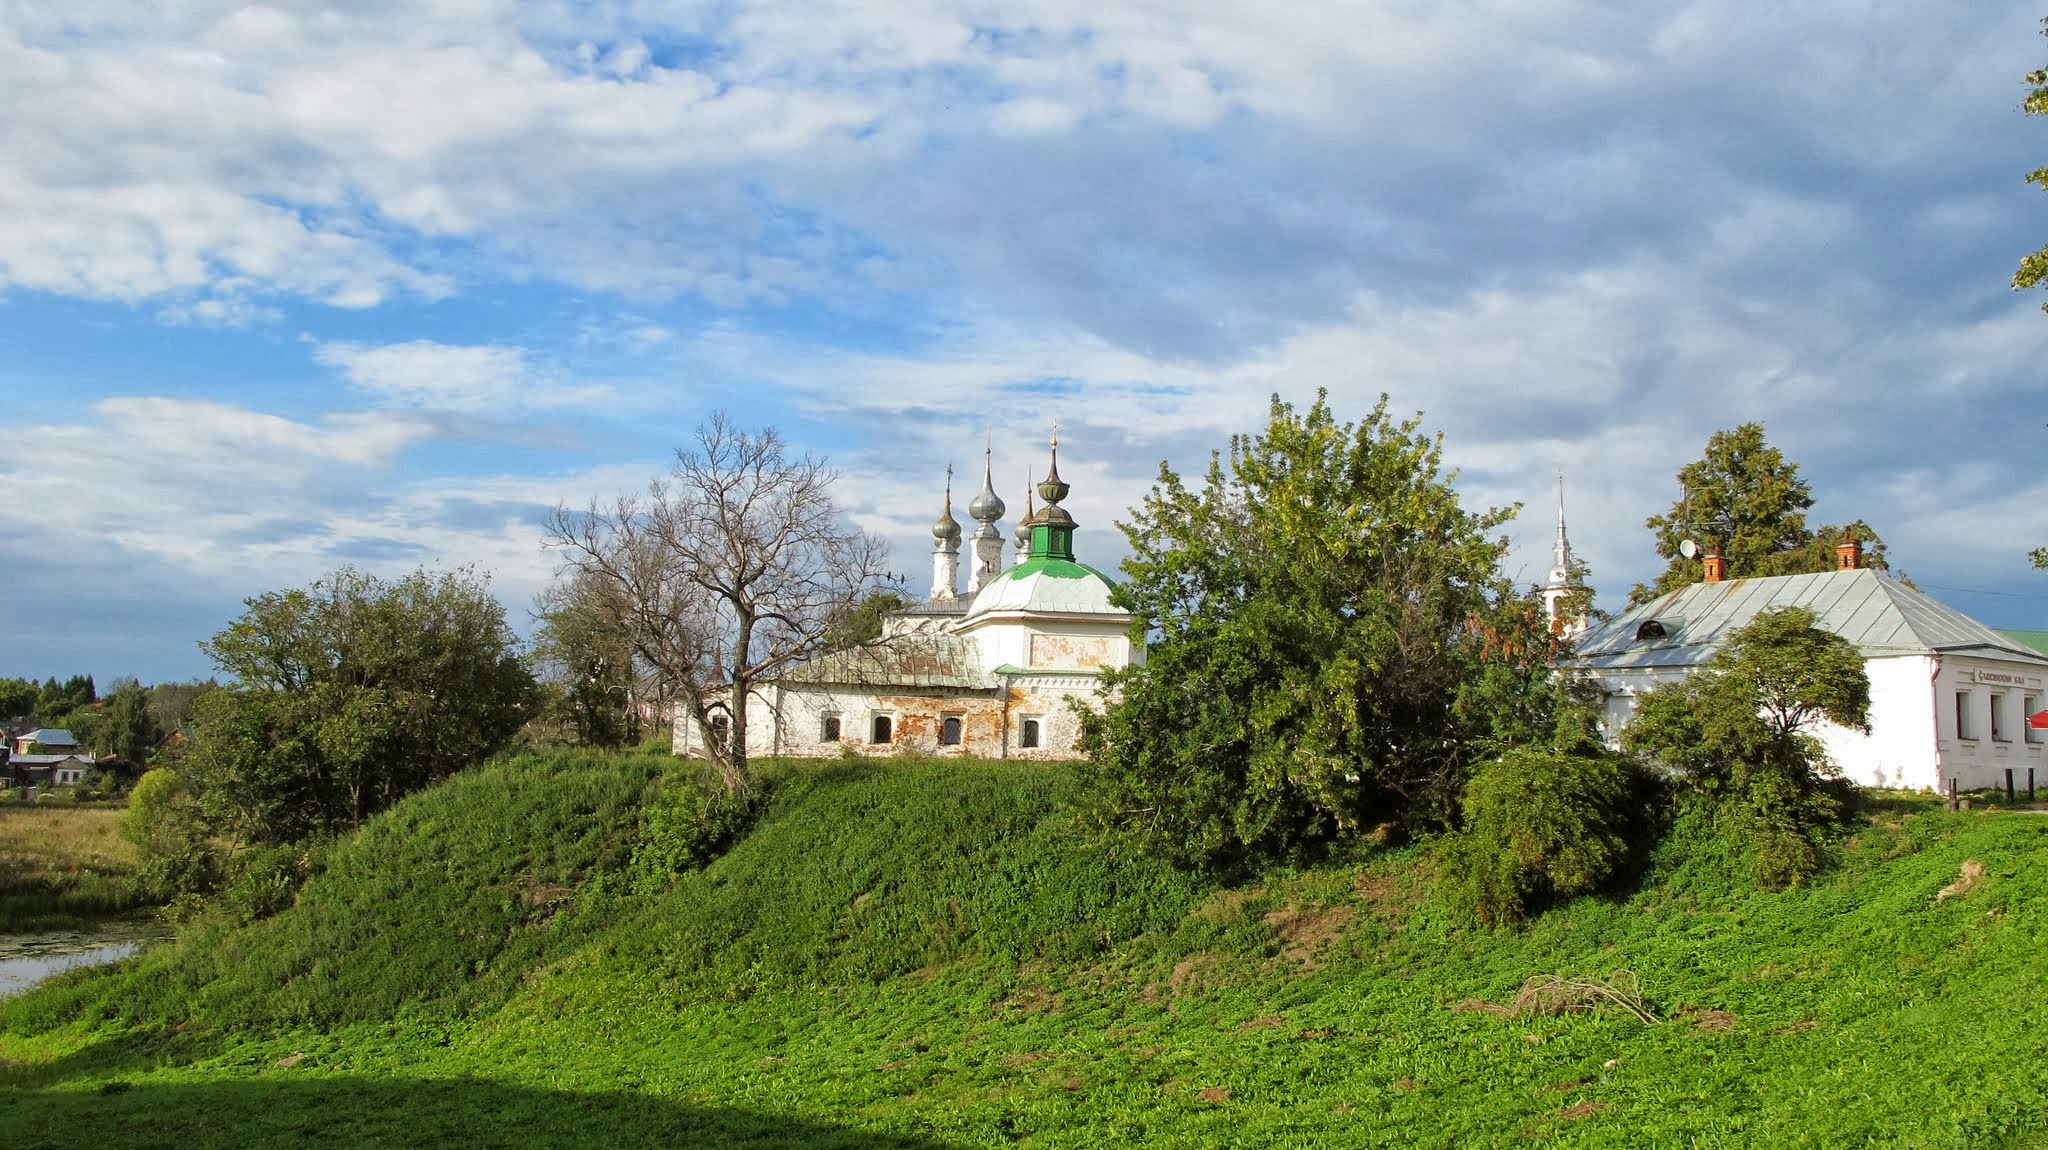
{"points": [[2030, 784], [1951, 794], [2008, 786]]}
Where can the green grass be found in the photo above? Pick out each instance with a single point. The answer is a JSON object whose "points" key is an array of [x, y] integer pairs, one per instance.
{"points": [[927, 954]]}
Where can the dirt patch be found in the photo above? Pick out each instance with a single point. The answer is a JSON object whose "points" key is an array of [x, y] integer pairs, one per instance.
{"points": [[896, 1065], [1305, 931], [1215, 1094], [1568, 1084], [1263, 1023], [1125, 1031], [291, 1060], [1319, 1033], [1406, 1084], [1195, 973], [1708, 1021], [1965, 879], [1030, 1000], [1582, 1110], [1019, 1061], [1479, 1006], [1801, 1027]]}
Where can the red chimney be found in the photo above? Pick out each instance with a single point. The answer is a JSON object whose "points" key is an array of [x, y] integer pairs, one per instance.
{"points": [[1849, 553], [1717, 567]]}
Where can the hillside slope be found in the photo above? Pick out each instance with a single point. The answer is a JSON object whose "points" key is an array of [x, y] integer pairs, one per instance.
{"points": [[935, 954]]}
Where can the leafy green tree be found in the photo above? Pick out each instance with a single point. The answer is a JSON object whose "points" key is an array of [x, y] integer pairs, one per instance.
{"points": [[1741, 734], [584, 652], [864, 623], [127, 726], [17, 699], [350, 694], [2033, 270], [1745, 497], [1311, 613], [57, 701]]}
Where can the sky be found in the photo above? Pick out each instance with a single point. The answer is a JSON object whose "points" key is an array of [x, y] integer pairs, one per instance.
{"points": [[290, 287]]}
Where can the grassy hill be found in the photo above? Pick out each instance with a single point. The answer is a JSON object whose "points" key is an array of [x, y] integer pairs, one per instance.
{"points": [[935, 954]]}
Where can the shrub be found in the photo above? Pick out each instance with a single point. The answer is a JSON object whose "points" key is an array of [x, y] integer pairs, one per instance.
{"points": [[1539, 827], [174, 854], [688, 824]]}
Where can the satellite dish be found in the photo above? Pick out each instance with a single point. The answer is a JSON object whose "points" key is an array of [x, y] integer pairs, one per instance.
{"points": [[1688, 548]]}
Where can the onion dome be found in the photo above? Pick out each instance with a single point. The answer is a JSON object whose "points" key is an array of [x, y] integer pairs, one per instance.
{"points": [[987, 506], [947, 530]]}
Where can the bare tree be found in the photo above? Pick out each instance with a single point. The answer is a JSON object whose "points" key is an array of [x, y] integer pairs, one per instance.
{"points": [[733, 568]]}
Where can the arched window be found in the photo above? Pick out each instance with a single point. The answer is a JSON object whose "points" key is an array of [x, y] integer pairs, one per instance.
{"points": [[883, 730], [828, 729], [1027, 733], [949, 731], [721, 727]]}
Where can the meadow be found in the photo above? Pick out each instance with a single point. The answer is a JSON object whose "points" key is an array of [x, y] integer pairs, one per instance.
{"points": [[937, 954], [63, 864]]}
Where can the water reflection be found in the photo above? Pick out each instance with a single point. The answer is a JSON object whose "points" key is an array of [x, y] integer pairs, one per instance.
{"points": [[26, 959]]}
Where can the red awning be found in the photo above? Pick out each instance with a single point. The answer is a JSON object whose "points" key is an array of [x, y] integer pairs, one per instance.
{"points": [[2038, 720]]}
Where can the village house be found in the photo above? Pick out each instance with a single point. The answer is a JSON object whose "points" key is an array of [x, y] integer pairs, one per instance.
{"points": [[1949, 696], [991, 673]]}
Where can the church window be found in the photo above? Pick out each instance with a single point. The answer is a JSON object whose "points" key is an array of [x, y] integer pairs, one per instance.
{"points": [[1964, 728], [720, 728], [2029, 705], [883, 731], [1027, 733], [828, 729], [949, 731], [1999, 731]]}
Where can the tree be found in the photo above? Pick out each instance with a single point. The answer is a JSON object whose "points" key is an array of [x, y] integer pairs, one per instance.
{"points": [[1745, 497], [735, 567], [585, 653], [1741, 733], [171, 703], [127, 727], [56, 701], [864, 624], [2033, 269], [350, 694], [17, 699], [1312, 612]]}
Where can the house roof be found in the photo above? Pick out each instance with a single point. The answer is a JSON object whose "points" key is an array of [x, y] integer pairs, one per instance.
{"points": [[910, 660], [46, 760], [53, 737], [1880, 615], [2037, 640]]}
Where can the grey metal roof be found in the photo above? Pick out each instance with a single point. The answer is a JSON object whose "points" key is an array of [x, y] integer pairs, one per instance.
{"points": [[46, 760], [910, 660], [53, 737], [1877, 613]]}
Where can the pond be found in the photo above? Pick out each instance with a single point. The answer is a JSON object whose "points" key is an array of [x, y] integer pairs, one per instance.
{"points": [[26, 959]]}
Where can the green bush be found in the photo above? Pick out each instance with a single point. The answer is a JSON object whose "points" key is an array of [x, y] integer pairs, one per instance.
{"points": [[690, 822], [174, 854], [1540, 827]]}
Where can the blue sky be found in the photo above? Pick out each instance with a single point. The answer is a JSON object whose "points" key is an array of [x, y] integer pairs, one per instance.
{"points": [[289, 287]]}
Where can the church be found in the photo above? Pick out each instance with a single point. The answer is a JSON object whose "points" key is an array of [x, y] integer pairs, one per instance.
{"points": [[991, 673]]}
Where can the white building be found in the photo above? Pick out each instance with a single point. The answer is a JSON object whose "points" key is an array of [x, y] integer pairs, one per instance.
{"points": [[1949, 696], [992, 675]]}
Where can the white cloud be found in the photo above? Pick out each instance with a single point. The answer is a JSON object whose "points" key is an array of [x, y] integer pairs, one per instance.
{"points": [[447, 377]]}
